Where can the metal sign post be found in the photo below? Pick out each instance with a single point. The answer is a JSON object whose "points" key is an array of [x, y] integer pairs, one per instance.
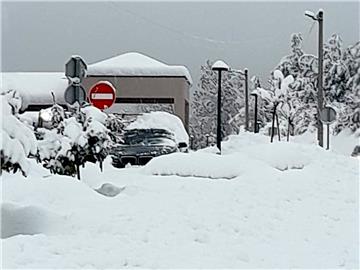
{"points": [[75, 71], [75, 92], [328, 116]]}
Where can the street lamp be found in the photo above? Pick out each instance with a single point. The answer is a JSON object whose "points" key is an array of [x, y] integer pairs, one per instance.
{"points": [[319, 18], [255, 95], [219, 66], [245, 73]]}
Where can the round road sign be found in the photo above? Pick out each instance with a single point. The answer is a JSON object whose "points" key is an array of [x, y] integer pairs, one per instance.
{"points": [[102, 95], [75, 92], [328, 115]]}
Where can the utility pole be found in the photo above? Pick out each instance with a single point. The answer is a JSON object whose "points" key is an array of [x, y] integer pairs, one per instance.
{"points": [[320, 95], [246, 100], [320, 18]]}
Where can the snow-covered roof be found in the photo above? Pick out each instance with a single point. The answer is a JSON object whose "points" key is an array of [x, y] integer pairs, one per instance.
{"points": [[136, 64], [35, 87]]}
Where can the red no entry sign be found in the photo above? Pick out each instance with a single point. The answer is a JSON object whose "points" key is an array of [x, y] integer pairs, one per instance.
{"points": [[102, 95]]}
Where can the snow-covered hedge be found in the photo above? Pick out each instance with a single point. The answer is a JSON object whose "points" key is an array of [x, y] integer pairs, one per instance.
{"points": [[16, 139]]}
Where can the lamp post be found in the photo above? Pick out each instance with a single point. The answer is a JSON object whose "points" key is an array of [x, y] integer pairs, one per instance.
{"points": [[219, 66], [320, 96], [255, 95], [246, 100]]}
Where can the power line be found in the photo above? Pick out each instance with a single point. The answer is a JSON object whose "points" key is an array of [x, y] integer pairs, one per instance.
{"points": [[189, 35]]}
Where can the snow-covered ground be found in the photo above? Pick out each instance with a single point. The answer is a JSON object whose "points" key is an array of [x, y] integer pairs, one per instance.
{"points": [[259, 205]]}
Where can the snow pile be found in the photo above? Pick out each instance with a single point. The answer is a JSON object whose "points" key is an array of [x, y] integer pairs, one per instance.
{"points": [[246, 151], [109, 190], [162, 120], [194, 164], [207, 164], [74, 131], [95, 114], [283, 155], [51, 144], [16, 139], [136, 64]]}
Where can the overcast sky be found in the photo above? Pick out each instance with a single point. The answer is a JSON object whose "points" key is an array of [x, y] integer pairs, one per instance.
{"points": [[41, 36]]}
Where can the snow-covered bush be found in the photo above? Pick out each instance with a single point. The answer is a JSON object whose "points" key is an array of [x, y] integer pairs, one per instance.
{"points": [[80, 138], [16, 139], [55, 153]]}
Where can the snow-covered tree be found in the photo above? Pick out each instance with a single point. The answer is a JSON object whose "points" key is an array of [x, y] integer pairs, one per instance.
{"points": [[302, 91], [336, 70], [349, 110], [277, 99], [340, 67], [17, 140], [290, 64], [204, 105]]}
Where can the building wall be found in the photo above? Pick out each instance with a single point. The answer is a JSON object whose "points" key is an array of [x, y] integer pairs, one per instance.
{"points": [[145, 87]]}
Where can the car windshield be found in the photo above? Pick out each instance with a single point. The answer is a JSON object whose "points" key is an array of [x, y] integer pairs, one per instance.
{"points": [[149, 137]]}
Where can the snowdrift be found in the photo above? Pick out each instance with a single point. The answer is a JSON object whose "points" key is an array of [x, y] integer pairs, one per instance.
{"points": [[239, 156], [267, 216], [26, 220], [195, 164]]}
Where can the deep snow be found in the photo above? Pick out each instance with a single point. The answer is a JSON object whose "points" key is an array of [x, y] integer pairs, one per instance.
{"points": [[288, 205]]}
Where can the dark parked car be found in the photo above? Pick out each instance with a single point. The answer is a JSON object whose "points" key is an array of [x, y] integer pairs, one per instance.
{"points": [[141, 145]]}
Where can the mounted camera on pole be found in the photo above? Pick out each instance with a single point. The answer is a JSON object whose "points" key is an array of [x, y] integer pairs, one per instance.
{"points": [[75, 71]]}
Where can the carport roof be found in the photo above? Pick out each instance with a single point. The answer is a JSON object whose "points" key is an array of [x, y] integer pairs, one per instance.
{"points": [[136, 64]]}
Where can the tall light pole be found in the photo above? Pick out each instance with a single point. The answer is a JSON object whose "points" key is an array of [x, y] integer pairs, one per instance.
{"points": [[246, 99], [219, 66], [320, 96]]}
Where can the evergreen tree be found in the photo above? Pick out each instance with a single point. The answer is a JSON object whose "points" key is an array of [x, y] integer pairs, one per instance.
{"points": [[336, 70], [349, 111]]}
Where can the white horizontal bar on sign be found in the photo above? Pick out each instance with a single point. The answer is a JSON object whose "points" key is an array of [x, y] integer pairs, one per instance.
{"points": [[101, 96]]}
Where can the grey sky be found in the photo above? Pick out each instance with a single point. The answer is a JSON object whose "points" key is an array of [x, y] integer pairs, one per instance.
{"points": [[40, 36]]}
